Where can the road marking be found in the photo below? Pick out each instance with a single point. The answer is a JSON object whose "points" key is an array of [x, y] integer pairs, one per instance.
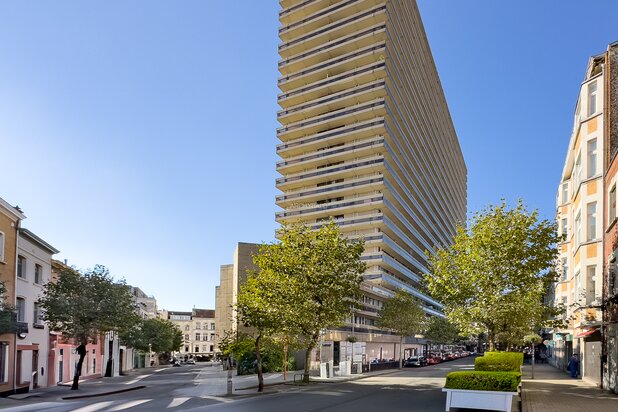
{"points": [[128, 405], [139, 378], [177, 402], [159, 370], [94, 407]]}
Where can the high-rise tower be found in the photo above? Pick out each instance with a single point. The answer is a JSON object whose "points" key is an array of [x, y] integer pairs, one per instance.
{"points": [[367, 138]]}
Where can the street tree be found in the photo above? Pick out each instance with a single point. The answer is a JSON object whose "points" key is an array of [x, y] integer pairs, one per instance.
{"points": [[259, 308], [440, 331], [8, 316], [156, 335], [404, 315], [493, 277], [83, 306], [309, 280]]}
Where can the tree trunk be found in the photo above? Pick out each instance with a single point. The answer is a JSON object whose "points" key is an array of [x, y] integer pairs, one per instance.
{"points": [[258, 357], [312, 343], [401, 352], [81, 350], [490, 339]]}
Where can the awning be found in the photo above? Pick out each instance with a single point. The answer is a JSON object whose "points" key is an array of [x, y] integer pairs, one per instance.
{"points": [[587, 332]]}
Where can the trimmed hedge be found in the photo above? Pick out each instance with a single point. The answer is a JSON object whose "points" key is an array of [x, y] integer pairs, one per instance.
{"points": [[483, 381], [499, 362]]}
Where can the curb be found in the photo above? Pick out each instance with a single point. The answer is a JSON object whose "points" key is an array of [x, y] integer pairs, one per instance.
{"points": [[92, 395]]}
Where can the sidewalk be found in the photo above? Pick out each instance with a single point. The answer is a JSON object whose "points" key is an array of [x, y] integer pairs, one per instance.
{"points": [[552, 390]]}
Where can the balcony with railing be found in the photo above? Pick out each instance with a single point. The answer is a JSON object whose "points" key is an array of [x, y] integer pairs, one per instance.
{"points": [[357, 132], [335, 48], [342, 171], [333, 67], [320, 18], [336, 153], [333, 31], [337, 118], [335, 101], [341, 82], [293, 10], [363, 184], [313, 210]]}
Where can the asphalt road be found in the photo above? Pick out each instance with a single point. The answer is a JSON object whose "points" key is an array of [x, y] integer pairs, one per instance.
{"points": [[189, 389]]}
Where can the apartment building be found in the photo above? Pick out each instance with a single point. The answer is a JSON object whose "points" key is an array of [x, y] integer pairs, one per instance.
{"points": [[33, 271], [146, 304], [10, 220], [367, 139], [609, 356], [232, 276], [580, 208], [199, 333]]}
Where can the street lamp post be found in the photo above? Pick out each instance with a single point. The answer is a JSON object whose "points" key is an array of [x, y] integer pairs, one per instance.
{"points": [[150, 354]]}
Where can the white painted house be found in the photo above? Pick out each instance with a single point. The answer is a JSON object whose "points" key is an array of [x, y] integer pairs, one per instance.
{"points": [[33, 271]]}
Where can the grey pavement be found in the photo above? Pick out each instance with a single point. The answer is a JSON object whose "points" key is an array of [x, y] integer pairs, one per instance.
{"points": [[552, 390]]}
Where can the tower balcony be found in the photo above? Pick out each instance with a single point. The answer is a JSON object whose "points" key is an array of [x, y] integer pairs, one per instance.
{"points": [[338, 29], [335, 48]]}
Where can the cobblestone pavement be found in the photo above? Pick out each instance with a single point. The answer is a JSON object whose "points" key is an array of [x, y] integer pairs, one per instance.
{"points": [[553, 390]]}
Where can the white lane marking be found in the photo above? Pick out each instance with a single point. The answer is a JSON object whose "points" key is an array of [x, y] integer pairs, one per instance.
{"points": [[128, 405], [41, 406], [139, 378], [159, 370], [94, 407], [177, 402]]}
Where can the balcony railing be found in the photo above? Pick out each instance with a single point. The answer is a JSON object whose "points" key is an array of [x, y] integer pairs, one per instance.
{"points": [[327, 135], [328, 171], [330, 152]]}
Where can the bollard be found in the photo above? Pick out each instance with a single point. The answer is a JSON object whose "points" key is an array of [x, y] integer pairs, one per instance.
{"points": [[229, 382]]}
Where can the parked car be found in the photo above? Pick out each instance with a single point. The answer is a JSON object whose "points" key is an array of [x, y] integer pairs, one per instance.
{"points": [[433, 360], [190, 362], [415, 361]]}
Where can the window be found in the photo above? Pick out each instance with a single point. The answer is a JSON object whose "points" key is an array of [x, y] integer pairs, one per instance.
{"points": [[565, 228], [592, 98], [578, 172], [212, 348], [564, 304], [1, 251], [592, 157], [205, 337], [21, 266], [565, 192], [187, 336], [578, 229], [590, 284], [4, 362], [577, 288], [612, 204], [197, 336], [591, 233], [38, 274], [187, 327], [197, 348], [21, 310], [565, 269], [212, 336], [198, 325], [186, 349], [212, 326], [38, 314]]}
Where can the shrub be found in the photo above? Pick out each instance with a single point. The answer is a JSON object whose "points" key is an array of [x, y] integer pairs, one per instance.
{"points": [[483, 381], [499, 362]]}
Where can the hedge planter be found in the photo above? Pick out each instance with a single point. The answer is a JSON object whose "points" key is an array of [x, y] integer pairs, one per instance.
{"points": [[488, 400], [481, 390]]}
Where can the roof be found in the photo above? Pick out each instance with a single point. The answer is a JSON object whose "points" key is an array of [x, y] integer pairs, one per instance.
{"points": [[38, 241], [204, 313], [14, 212]]}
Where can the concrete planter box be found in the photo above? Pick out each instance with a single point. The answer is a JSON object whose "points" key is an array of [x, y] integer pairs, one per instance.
{"points": [[489, 400]]}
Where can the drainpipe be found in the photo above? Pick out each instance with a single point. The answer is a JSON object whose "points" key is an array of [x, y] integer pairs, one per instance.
{"points": [[17, 226]]}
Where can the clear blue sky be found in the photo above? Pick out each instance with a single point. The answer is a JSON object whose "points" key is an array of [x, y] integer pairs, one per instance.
{"points": [[141, 134]]}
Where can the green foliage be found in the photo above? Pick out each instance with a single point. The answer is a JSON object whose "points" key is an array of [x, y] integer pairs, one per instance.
{"points": [[499, 362], [402, 314], [82, 306], [306, 282], [493, 278], [159, 335], [272, 358], [8, 316], [533, 338], [483, 381], [441, 331]]}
